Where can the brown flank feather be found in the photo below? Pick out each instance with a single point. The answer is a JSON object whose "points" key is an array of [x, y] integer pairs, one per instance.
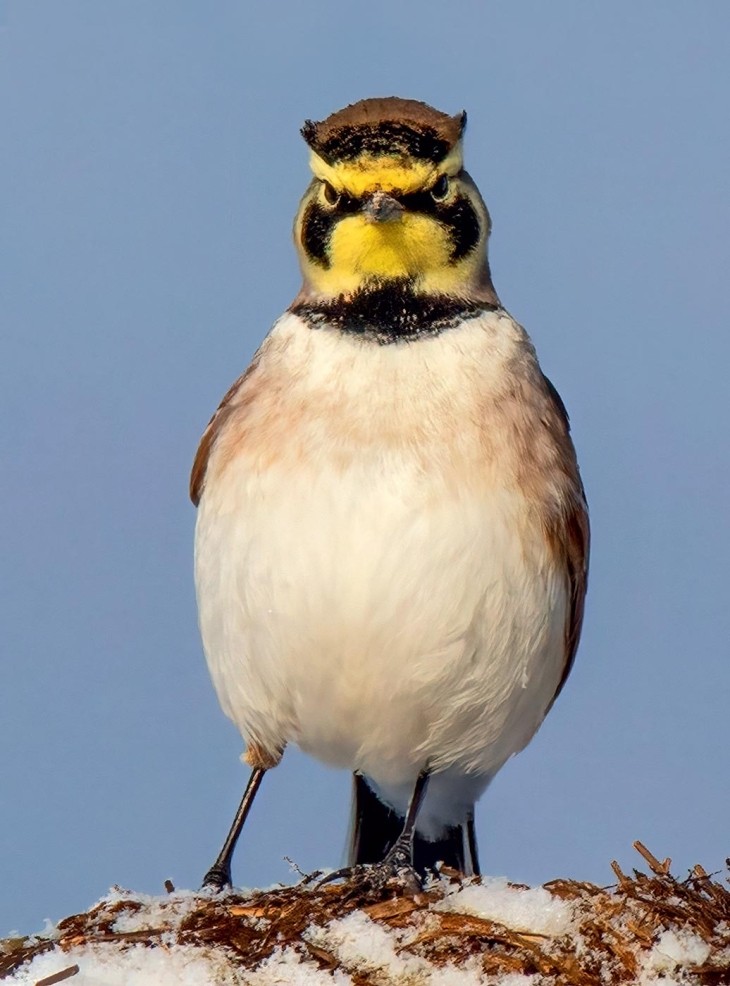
{"points": [[225, 409], [568, 531]]}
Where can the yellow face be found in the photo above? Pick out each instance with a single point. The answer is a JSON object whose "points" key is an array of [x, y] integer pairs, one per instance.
{"points": [[377, 219]]}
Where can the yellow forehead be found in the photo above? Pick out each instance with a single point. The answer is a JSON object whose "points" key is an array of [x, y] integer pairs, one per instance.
{"points": [[369, 173]]}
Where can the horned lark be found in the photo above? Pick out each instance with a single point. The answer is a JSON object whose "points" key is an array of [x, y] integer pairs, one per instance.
{"points": [[392, 537]]}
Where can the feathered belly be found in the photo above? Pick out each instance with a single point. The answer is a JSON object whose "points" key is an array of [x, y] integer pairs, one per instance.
{"points": [[377, 621]]}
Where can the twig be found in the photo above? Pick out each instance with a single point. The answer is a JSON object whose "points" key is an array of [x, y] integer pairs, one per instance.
{"points": [[58, 977], [660, 869], [623, 880]]}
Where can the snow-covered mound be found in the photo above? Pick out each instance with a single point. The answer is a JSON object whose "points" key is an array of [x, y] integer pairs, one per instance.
{"points": [[646, 930]]}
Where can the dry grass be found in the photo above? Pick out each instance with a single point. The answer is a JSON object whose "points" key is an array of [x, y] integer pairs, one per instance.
{"points": [[617, 928]]}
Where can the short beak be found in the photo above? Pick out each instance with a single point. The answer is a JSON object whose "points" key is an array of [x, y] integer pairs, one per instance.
{"points": [[382, 208]]}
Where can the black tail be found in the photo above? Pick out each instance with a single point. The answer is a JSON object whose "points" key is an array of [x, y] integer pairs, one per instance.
{"points": [[375, 828]]}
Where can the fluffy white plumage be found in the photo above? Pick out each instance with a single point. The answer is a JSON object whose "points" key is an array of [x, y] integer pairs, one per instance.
{"points": [[379, 591]]}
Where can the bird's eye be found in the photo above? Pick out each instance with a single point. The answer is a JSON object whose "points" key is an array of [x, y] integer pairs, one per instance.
{"points": [[440, 189], [331, 194]]}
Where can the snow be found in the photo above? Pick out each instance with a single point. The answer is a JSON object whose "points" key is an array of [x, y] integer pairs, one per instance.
{"points": [[286, 966], [674, 951], [107, 965], [156, 912], [532, 910], [360, 943], [336, 952]]}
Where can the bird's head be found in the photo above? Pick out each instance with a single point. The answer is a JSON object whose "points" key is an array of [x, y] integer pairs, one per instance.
{"points": [[391, 202]]}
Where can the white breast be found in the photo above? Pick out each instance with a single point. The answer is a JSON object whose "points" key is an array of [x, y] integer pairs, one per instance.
{"points": [[373, 584]]}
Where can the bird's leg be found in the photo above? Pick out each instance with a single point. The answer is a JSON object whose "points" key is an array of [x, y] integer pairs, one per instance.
{"points": [[472, 840], [400, 855], [219, 875], [398, 861]]}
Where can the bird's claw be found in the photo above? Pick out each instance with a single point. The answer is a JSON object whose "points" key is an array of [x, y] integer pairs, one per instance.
{"points": [[217, 879], [395, 872]]}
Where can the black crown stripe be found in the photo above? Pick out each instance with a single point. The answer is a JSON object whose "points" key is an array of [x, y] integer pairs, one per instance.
{"points": [[387, 138]]}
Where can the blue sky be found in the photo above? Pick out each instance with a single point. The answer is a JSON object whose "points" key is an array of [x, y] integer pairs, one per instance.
{"points": [[151, 168]]}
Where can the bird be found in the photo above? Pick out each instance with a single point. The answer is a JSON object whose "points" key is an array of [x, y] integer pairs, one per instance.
{"points": [[392, 537]]}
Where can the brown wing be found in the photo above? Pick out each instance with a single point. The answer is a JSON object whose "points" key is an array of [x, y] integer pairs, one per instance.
{"points": [[569, 533], [576, 539], [225, 408]]}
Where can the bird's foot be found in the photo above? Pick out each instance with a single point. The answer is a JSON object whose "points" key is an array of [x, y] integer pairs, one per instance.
{"points": [[374, 880], [217, 878]]}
